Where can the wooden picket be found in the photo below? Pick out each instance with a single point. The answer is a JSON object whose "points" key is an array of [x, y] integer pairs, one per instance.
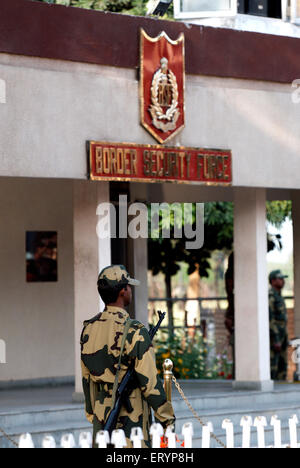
{"points": [[118, 439]]}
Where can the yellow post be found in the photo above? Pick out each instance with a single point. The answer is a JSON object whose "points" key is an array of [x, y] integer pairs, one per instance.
{"points": [[168, 374]]}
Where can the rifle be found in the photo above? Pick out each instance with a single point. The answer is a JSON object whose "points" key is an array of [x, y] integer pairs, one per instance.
{"points": [[126, 386]]}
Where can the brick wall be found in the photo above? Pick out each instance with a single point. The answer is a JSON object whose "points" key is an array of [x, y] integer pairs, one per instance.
{"points": [[291, 332]]}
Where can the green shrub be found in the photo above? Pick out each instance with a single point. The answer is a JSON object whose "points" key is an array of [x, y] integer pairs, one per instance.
{"points": [[190, 356]]}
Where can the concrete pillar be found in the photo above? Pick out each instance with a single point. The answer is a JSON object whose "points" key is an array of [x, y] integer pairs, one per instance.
{"points": [[104, 245], [139, 247], [140, 272], [90, 256], [252, 336], [296, 228]]}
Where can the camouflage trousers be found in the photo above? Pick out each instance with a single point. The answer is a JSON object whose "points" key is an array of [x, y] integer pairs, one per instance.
{"points": [[279, 364]]}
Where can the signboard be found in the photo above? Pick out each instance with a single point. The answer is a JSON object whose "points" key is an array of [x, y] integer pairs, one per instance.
{"points": [[149, 163], [162, 85]]}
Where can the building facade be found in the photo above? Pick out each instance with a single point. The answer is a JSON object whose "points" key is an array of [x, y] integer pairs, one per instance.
{"points": [[69, 76]]}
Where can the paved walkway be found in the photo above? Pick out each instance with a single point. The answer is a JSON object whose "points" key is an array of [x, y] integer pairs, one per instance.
{"points": [[34, 398], [53, 397]]}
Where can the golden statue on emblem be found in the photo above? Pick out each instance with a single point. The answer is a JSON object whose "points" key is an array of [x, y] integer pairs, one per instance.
{"points": [[164, 96]]}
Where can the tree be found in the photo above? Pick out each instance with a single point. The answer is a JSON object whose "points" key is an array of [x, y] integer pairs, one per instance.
{"points": [[278, 212], [134, 7], [165, 255]]}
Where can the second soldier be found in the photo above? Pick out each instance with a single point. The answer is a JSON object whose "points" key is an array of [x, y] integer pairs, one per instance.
{"points": [[278, 327]]}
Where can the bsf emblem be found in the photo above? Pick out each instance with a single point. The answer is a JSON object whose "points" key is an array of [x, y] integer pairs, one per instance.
{"points": [[162, 85]]}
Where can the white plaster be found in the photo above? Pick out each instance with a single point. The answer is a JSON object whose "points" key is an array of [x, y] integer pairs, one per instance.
{"points": [[86, 301], [251, 23], [2, 352], [252, 343], [90, 256], [2, 91], [45, 129], [140, 262], [36, 319], [296, 243], [104, 245]]}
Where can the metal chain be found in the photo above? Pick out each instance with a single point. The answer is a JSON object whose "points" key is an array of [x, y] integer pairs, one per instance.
{"points": [[194, 412], [9, 438]]}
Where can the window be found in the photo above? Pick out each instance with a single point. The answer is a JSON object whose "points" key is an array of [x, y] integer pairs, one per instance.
{"points": [[189, 9], [184, 9], [41, 256], [267, 8], [294, 10]]}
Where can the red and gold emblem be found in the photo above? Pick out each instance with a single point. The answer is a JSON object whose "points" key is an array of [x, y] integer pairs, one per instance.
{"points": [[162, 85]]}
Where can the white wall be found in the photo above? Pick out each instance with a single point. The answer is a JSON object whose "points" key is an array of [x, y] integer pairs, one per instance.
{"points": [[296, 232], [252, 344], [258, 24], [91, 255], [36, 319], [53, 107]]}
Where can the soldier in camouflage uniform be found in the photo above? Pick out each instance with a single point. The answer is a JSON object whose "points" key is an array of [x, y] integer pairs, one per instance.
{"points": [[101, 345], [278, 327]]}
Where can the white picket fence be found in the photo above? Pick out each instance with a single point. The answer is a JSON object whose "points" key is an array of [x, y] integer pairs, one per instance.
{"points": [[118, 439]]}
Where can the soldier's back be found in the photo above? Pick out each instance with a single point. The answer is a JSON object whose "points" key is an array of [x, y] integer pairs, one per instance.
{"points": [[101, 344]]}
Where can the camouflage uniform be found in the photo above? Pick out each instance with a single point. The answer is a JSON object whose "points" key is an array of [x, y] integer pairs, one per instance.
{"points": [[278, 335], [101, 345]]}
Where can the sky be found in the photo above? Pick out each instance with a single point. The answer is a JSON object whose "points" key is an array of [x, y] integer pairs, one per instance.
{"points": [[283, 256], [283, 259]]}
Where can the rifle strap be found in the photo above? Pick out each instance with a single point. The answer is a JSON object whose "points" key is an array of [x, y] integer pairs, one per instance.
{"points": [[116, 382]]}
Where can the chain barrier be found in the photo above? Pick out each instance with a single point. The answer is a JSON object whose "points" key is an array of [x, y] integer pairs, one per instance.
{"points": [[9, 438], [194, 412]]}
